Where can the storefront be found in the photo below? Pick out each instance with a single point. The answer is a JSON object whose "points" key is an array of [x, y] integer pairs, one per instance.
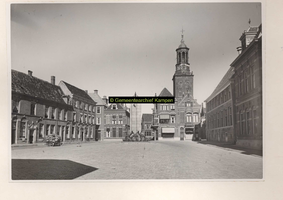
{"points": [[167, 132]]}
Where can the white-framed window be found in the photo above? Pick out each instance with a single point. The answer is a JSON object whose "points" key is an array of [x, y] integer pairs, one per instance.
{"points": [[86, 107], [98, 120], [98, 109], [189, 117], [114, 106], [77, 104], [173, 107]]}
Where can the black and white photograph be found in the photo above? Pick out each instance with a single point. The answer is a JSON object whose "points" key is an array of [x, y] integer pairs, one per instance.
{"points": [[69, 59]]}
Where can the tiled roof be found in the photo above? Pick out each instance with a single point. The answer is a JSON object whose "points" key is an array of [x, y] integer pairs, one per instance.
{"points": [[147, 117], [34, 87], [97, 99], [79, 92], [223, 83], [165, 93]]}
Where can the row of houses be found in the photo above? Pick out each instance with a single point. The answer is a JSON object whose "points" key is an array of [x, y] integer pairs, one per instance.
{"points": [[234, 109], [41, 108]]}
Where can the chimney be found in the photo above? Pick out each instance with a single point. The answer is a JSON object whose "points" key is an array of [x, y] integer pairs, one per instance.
{"points": [[29, 73], [105, 100], [96, 91], [53, 80], [86, 91]]}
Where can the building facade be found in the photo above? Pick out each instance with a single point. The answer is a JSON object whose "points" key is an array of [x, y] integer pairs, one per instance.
{"points": [[38, 110], [178, 120], [247, 87], [84, 116], [117, 121], [101, 105], [219, 112], [147, 122]]}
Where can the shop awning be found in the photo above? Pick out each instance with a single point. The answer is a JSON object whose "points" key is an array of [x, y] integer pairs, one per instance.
{"points": [[168, 130]]}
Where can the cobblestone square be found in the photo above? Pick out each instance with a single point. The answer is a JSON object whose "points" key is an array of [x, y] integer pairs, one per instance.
{"points": [[165, 159]]}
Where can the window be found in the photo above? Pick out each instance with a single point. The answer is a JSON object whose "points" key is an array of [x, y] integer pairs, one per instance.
{"points": [[248, 122], [52, 113], [74, 117], [81, 118], [52, 129], [114, 106], [195, 117], [120, 132], [23, 130], [82, 106], [60, 117], [114, 132], [46, 112], [98, 120], [173, 119], [189, 117], [32, 109], [172, 107], [77, 104], [98, 110], [90, 108], [254, 122], [86, 107], [66, 116]]}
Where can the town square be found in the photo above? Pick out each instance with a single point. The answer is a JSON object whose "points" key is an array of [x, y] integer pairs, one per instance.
{"points": [[192, 107]]}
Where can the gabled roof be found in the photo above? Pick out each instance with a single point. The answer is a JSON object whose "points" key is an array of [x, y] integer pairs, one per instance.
{"points": [[147, 117], [97, 99], [223, 83], [79, 93], [165, 93], [34, 87], [119, 107]]}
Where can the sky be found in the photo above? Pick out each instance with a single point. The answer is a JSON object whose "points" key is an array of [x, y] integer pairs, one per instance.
{"points": [[123, 48]]}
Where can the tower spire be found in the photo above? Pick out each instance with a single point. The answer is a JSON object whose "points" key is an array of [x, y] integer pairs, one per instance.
{"points": [[182, 40], [249, 22]]}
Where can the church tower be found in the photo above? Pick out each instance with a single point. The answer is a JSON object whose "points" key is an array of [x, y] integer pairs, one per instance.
{"points": [[183, 77]]}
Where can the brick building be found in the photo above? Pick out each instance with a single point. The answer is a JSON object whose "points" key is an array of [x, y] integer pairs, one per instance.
{"points": [[38, 109], [84, 116], [247, 87], [177, 120], [117, 121], [101, 105], [219, 112]]}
